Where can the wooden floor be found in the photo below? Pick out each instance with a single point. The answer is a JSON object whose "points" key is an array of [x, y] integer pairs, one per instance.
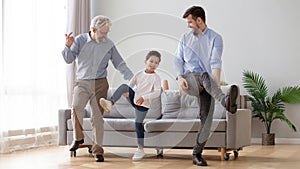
{"points": [[57, 157]]}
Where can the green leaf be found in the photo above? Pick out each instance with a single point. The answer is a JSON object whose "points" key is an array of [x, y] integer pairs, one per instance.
{"points": [[290, 94], [259, 115], [255, 85], [282, 117]]}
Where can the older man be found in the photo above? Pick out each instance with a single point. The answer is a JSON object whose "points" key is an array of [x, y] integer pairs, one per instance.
{"points": [[92, 52]]}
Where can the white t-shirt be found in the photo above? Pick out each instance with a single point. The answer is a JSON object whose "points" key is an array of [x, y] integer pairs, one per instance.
{"points": [[146, 85]]}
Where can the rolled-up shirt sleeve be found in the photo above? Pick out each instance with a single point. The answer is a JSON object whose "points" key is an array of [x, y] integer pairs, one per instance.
{"points": [[70, 54], [217, 50], [178, 59], [120, 64]]}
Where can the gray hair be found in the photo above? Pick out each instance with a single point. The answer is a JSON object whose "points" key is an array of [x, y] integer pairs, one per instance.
{"points": [[99, 21]]}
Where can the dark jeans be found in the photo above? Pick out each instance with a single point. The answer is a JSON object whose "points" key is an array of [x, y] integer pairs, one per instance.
{"points": [[140, 111], [202, 86]]}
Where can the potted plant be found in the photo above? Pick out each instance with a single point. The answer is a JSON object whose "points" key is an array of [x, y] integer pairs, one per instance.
{"points": [[269, 108]]}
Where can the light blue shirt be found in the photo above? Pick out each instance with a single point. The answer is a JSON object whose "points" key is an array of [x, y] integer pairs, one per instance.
{"points": [[92, 58], [199, 53]]}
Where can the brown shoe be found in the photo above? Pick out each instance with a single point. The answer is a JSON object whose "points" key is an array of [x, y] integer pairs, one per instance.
{"points": [[231, 105]]}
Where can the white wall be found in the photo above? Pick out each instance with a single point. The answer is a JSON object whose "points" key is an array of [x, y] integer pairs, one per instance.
{"points": [[261, 36]]}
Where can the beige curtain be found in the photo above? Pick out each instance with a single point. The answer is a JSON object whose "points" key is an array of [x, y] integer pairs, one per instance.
{"points": [[78, 21]]}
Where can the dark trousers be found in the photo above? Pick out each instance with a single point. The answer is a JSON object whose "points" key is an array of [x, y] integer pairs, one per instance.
{"points": [[202, 86]]}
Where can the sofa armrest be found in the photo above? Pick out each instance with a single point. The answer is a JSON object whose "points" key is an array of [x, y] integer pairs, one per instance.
{"points": [[238, 128], [63, 116]]}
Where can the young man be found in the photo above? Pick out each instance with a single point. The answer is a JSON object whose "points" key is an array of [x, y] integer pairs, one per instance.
{"points": [[92, 52], [198, 66]]}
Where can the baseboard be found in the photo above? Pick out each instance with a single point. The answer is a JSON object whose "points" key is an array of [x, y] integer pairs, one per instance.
{"points": [[278, 140]]}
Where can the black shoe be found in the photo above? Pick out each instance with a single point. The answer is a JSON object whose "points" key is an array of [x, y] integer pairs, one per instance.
{"points": [[99, 158], [231, 105], [198, 160], [75, 145]]}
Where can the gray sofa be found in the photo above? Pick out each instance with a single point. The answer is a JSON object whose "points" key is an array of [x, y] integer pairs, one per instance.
{"points": [[172, 122]]}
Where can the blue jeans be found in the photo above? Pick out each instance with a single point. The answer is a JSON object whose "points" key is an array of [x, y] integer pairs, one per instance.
{"points": [[140, 111]]}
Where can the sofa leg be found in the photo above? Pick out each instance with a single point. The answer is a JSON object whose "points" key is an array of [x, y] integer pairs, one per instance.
{"points": [[159, 152], [223, 152]]}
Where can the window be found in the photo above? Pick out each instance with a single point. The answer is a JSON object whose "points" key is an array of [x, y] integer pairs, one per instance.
{"points": [[32, 75]]}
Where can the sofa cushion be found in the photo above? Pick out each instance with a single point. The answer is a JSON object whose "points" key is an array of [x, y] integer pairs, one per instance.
{"points": [[110, 124], [176, 106], [120, 124], [86, 125], [182, 125], [155, 108], [170, 104], [189, 107]]}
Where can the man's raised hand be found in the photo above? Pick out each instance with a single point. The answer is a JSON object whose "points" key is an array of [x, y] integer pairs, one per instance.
{"points": [[69, 39]]}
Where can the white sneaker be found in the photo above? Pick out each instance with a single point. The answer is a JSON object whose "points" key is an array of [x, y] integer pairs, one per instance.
{"points": [[138, 155], [105, 104]]}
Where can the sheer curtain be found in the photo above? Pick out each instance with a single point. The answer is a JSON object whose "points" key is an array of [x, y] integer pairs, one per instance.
{"points": [[32, 75], [78, 21]]}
